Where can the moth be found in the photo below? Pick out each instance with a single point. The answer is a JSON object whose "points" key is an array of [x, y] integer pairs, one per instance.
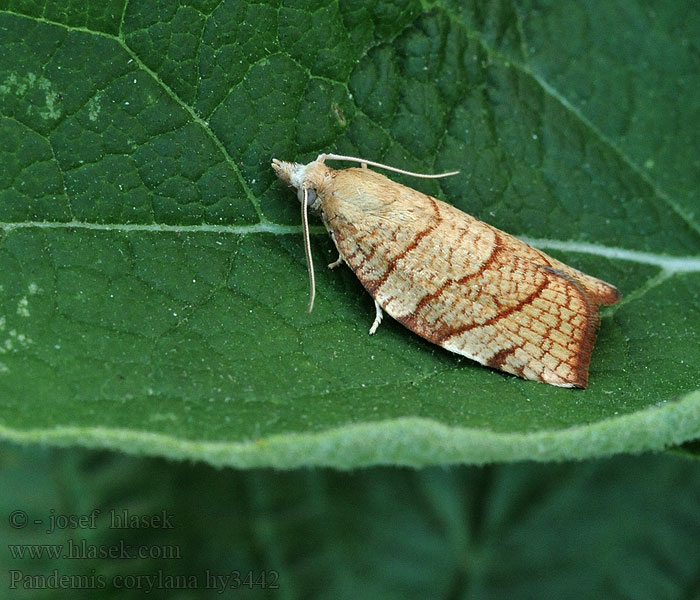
{"points": [[450, 278]]}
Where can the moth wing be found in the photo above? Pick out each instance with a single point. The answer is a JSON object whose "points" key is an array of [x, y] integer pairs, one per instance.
{"points": [[597, 290], [530, 320], [463, 284]]}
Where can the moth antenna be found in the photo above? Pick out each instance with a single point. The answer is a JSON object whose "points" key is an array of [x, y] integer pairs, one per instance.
{"points": [[307, 249], [364, 161]]}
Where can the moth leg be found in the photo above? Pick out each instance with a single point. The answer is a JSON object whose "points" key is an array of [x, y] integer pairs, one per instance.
{"points": [[363, 165], [338, 262], [377, 318]]}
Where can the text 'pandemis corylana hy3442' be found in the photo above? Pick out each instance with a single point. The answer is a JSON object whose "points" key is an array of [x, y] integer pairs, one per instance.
{"points": [[452, 279]]}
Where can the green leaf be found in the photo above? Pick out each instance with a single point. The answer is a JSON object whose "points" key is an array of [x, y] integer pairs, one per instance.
{"points": [[625, 527], [152, 277]]}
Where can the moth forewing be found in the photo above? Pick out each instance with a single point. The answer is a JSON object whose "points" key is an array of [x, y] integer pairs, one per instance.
{"points": [[454, 280]]}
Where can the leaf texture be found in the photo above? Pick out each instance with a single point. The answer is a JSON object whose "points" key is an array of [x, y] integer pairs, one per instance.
{"points": [[152, 278]]}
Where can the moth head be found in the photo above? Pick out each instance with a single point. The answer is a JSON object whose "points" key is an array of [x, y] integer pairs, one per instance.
{"points": [[304, 179]]}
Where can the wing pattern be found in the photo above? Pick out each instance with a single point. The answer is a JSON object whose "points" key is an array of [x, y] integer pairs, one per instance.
{"points": [[463, 284]]}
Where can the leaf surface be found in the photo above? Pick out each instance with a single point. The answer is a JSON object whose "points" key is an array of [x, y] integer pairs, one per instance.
{"points": [[152, 278]]}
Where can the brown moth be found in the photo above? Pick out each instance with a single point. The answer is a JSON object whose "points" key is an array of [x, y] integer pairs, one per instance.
{"points": [[452, 279]]}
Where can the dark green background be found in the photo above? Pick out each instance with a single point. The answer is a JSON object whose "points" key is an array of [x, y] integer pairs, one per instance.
{"points": [[625, 527]]}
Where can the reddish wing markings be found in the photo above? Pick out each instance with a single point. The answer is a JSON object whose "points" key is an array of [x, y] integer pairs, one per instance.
{"points": [[592, 319], [580, 358], [443, 334], [443, 337], [370, 254], [358, 239], [499, 359], [339, 237], [373, 285], [436, 294], [460, 241], [590, 286]]}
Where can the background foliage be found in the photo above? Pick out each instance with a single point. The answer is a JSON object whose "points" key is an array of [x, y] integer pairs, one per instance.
{"points": [[608, 528], [152, 287]]}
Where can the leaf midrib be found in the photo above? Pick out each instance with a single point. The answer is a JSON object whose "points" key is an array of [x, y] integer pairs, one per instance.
{"points": [[670, 264]]}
